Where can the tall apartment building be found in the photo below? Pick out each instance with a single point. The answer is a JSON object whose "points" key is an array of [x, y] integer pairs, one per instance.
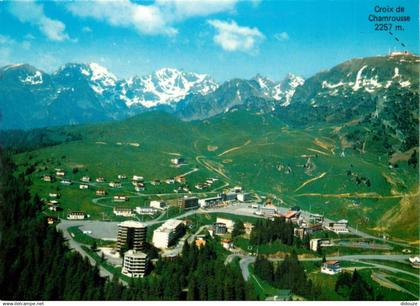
{"points": [[135, 264], [131, 234], [167, 233]]}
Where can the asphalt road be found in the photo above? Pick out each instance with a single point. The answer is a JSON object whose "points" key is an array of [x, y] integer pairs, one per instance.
{"points": [[78, 247], [246, 260]]}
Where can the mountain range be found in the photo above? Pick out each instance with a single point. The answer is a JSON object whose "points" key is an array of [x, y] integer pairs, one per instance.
{"points": [[85, 93], [379, 93]]}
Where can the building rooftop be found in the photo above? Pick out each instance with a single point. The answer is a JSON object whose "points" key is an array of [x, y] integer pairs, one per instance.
{"points": [[342, 221], [169, 225], [290, 214], [132, 223], [331, 262], [133, 253]]}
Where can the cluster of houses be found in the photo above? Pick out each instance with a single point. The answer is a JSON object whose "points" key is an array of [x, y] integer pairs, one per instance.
{"points": [[124, 211], [232, 195], [207, 184]]}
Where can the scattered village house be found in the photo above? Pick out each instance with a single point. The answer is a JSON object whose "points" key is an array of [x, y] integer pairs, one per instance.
{"points": [[84, 186], [52, 220], [170, 181], [137, 178], [100, 192], [60, 173], [415, 261], [85, 179], [120, 198], [66, 182], [48, 178], [54, 208], [123, 211], [155, 182], [178, 161], [200, 242], [115, 184], [227, 244], [331, 267], [54, 195], [52, 203], [100, 180], [180, 179], [76, 215]]}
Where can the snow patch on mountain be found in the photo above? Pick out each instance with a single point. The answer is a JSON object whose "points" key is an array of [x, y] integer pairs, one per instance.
{"points": [[280, 91], [33, 79], [358, 78]]}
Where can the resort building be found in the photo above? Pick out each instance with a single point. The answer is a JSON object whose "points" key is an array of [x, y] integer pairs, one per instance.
{"points": [[135, 264], [157, 204], [188, 202], [338, 227], [132, 235], [208, 202], [167, 233], [243, 197]]}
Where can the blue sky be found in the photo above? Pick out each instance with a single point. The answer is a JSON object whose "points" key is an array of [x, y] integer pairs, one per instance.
{"points": [[224, 38]]}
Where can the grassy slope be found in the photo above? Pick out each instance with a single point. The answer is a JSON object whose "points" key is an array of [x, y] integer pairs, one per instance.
{"points": [[238, 148]]}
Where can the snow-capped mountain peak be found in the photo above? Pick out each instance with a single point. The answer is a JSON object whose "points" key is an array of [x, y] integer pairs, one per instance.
{"points": [[165, 86], [99, 73]]}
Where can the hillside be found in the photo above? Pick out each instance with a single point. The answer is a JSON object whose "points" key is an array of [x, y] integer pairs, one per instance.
{"points": [[372, 101], [294, 166]]}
